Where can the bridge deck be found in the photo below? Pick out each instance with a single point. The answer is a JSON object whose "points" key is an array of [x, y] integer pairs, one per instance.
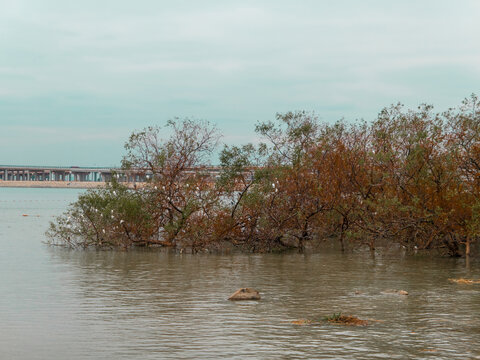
{"points": [[16, 173]]}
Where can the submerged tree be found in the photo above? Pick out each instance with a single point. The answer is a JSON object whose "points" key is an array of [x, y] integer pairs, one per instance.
{"points": [[175, 204], [241, 168], [110, 217], [409, 178]]}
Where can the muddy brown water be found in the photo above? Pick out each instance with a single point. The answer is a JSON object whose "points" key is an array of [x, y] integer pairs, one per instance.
{"points": [[61, 304]]}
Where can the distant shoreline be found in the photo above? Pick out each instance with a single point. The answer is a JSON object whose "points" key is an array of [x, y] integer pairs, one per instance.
{"points": [[59, 184]]}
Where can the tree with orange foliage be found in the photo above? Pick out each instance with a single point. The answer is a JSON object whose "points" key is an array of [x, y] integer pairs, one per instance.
{"points": [[410, 178]]}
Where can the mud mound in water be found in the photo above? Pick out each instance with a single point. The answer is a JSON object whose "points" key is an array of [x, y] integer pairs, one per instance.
{"points": [[302, 322], [346, 320], [465, 281]]}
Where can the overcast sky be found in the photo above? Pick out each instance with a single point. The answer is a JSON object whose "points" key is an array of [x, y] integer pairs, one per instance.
{"points": [[76, 77]]}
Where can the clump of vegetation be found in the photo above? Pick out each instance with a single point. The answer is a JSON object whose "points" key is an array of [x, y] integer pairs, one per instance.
{"points": [[411, 178], [110, 217], [338, 318], [335, 318]]}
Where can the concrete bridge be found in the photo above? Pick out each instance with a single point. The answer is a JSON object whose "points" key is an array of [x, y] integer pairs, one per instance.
{"points": [[82, 174], [73, 173]]}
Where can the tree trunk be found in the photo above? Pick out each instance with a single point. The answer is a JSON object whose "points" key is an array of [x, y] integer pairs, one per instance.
{"points": [[467, 247]]}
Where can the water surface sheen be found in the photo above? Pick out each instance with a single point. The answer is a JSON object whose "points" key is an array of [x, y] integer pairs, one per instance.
{"points": [[61, 304]]}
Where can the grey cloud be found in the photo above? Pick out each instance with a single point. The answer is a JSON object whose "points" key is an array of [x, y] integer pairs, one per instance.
{"points": [[123, 63]]}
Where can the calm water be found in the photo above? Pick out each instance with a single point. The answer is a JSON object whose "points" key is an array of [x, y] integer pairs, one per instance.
{"points": [[60, 304]]}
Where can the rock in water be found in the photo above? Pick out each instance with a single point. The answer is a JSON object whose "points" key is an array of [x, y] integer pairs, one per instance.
{"points": [[245, 294]]}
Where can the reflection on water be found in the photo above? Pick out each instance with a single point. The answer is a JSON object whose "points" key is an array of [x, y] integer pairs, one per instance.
{"points": [[59, 304]]}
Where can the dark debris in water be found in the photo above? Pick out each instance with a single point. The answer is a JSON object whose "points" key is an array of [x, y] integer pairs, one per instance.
{"points": [[337, 319], [346, 320]]}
